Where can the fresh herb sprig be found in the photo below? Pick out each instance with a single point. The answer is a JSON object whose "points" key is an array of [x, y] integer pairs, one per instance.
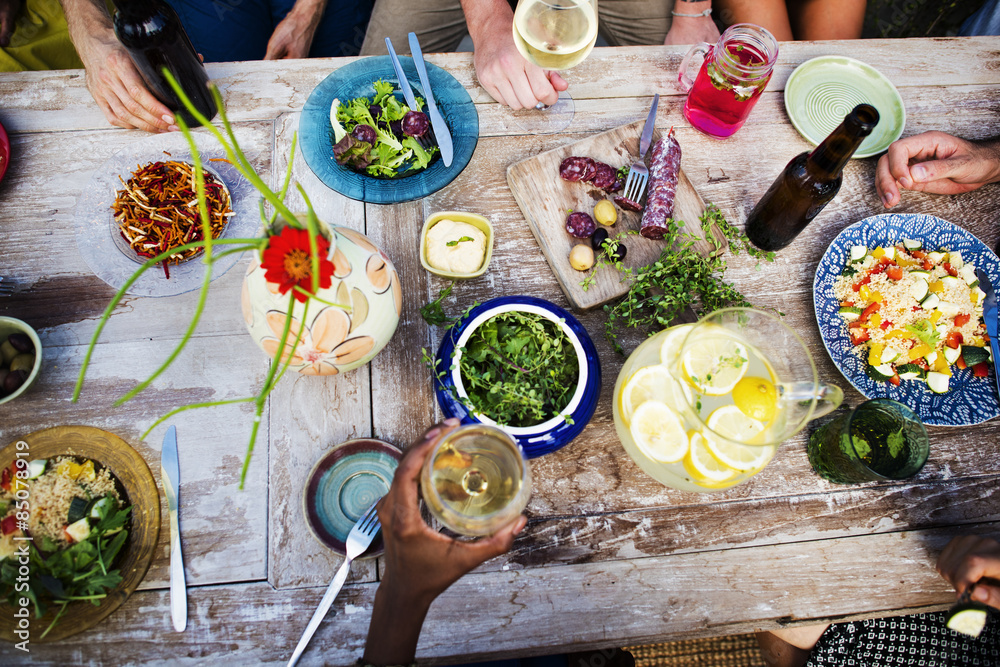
{"points": [[80, 572], [519, 369], [433, 313], [680, 278]]}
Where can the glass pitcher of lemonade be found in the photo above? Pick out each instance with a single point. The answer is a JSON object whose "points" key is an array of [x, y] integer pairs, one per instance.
{"points": [[703, 407]]}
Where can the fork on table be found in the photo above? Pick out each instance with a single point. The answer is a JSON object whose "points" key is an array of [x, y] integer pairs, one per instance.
{"points": [[427, 139], [358, 540], [638, 174]]}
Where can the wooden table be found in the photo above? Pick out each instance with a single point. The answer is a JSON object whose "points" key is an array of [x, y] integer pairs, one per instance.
{"points": [[610, 557]]}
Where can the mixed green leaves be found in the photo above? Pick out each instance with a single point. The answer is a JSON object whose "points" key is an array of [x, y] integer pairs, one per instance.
{"points": [[519, 369], [679, 278], [80, 572], [392, 153]]}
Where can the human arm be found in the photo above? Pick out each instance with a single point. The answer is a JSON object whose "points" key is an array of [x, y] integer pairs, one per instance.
{"points": [[972, 560], [500, 67], [691, 29], [112, 78], [293, 36], [936, 162], [8, 14], [420, 563]]}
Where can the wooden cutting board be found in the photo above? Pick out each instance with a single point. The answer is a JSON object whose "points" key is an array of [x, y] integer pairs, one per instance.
{"points": [[545, 198]]}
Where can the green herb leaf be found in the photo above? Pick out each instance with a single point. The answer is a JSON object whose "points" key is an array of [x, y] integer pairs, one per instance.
{"points": [[452, 244], [433, 313], [896, 442], [861, 446]]}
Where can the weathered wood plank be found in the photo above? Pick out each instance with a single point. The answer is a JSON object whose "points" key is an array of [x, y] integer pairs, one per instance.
{"points": [[308, 416], [59, 100], [539, 611]]}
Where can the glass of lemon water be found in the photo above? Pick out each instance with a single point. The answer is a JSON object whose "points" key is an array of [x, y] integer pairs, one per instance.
{"points": [[555, 35], [703, 407], [476, 480]]}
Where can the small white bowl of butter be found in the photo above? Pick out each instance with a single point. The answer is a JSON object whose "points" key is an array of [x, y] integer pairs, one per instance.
{"points": [[456, 245]]}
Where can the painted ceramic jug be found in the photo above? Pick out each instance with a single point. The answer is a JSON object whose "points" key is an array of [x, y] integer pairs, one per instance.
{"points": [[335, 338]]}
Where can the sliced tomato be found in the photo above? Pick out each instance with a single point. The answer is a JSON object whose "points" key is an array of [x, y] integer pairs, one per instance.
{"points": [[960, 362], [8, 525], [864, 281], [962, 319], [981, 369], [859, 337], [872, 307], [849, 303], [928, 265], [885, 324], [877, 269], [918, 254], [894, 273], [895, 380], [953, 340], [952, 271]]}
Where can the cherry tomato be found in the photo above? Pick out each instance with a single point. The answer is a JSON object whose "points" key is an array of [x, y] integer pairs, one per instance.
{"points": [[950, 269], [928, 265], [885, 261], [895, 380], [962, 319], [981, 369], [8, 525], [953, 340], [918, 254], [894, 273], [864, 281], [859, 337]]}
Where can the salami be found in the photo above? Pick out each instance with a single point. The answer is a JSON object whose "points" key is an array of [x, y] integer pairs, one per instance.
{"points": [[574, 168], [589, 169], [627, 204], [605, 177], [664, 171], [580, 225]]}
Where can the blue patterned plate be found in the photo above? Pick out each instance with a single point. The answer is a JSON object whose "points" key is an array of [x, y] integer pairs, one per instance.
{"points": [[969, 400], [355, 80], [542, 438], [343, 485]]}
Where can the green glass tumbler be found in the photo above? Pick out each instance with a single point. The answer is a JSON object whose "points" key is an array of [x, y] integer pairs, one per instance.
{"points": [[880, 439]]}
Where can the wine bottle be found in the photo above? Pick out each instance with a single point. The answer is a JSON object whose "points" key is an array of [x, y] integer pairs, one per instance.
{"points": [[153, 34], [808, 183]]}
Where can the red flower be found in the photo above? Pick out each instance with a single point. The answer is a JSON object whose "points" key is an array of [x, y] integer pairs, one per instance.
{"points": [[287, 262]]}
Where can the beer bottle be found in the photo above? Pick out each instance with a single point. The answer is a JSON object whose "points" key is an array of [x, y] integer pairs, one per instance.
{"points": [[155, 38], [808, 183]]}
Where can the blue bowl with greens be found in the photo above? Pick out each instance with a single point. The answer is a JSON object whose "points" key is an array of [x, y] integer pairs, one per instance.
{"points": [[524, 365]]}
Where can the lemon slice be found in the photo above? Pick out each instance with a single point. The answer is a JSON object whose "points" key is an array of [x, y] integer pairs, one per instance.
{"points": [[756, 397], [730, 422], [705, 469], [714, 364], [671, 345], [658, 432], [653, 383]]}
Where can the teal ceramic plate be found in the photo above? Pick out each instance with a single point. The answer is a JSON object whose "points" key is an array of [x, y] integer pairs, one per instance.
{"points": [[343, 485], [821, 91]]}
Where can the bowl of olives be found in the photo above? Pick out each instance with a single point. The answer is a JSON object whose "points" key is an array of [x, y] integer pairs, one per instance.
{"points": [[20, 357]]}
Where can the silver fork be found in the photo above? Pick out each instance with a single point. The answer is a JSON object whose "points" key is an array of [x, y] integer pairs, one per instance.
{"points": [[638, 174], [6, 287], [427, 139], [359, 539]]}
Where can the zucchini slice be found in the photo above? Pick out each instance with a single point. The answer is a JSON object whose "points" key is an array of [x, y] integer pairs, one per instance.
{"points": [[930, 302], [913, 244], [850, 313], [910, 372], [951, 354], [880, 373], [919, 290], [37, 467], [938, 382], [858, 253], [974, 355], [77, 509]]}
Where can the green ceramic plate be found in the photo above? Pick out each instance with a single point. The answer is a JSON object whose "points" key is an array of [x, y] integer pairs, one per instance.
{"points": [[821, 91]]}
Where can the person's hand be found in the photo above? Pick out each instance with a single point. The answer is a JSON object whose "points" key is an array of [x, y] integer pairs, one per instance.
{"points": [[8, 14], [685, 30], [118, 87], [293, 36], [506, 75], [935, 162], [420, 563], [972, 560]]}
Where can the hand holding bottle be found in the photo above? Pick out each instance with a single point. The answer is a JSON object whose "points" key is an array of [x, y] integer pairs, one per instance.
{"points": [[938, 163]]}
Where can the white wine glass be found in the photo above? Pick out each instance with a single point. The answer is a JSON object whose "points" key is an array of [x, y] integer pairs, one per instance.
{"points": [[554, 35], [476, 480]]}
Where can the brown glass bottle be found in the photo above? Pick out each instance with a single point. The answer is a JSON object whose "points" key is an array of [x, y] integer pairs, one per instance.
{"points": [[155, 38], [808, 183]]}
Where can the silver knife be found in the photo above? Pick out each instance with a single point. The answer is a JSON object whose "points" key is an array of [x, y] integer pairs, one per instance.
{"points": [[440, 128], [647, 129], [170, 475], [404, 84], [990, 318]]}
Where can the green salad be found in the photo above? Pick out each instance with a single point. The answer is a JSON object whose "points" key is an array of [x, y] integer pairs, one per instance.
{"points": [[380, 136]]}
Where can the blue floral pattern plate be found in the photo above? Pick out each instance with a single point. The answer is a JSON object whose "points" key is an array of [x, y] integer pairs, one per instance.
{"points": [[969, 400], [355, 80], [534, 440]]}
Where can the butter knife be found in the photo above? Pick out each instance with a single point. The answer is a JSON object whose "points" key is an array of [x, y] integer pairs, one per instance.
{"points": [[990, 318], [404, 84], [170, 475], [441, 131]]}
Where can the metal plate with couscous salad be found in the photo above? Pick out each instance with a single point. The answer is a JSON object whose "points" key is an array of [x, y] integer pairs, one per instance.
{"points": [[900, 312]]}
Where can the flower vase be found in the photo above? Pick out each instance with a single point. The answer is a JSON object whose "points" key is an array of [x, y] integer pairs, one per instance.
{"points": [[345, 325]]}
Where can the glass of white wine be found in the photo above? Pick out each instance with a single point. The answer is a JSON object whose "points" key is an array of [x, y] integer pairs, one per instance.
{"points": [[476, 480], [555, 35]]}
